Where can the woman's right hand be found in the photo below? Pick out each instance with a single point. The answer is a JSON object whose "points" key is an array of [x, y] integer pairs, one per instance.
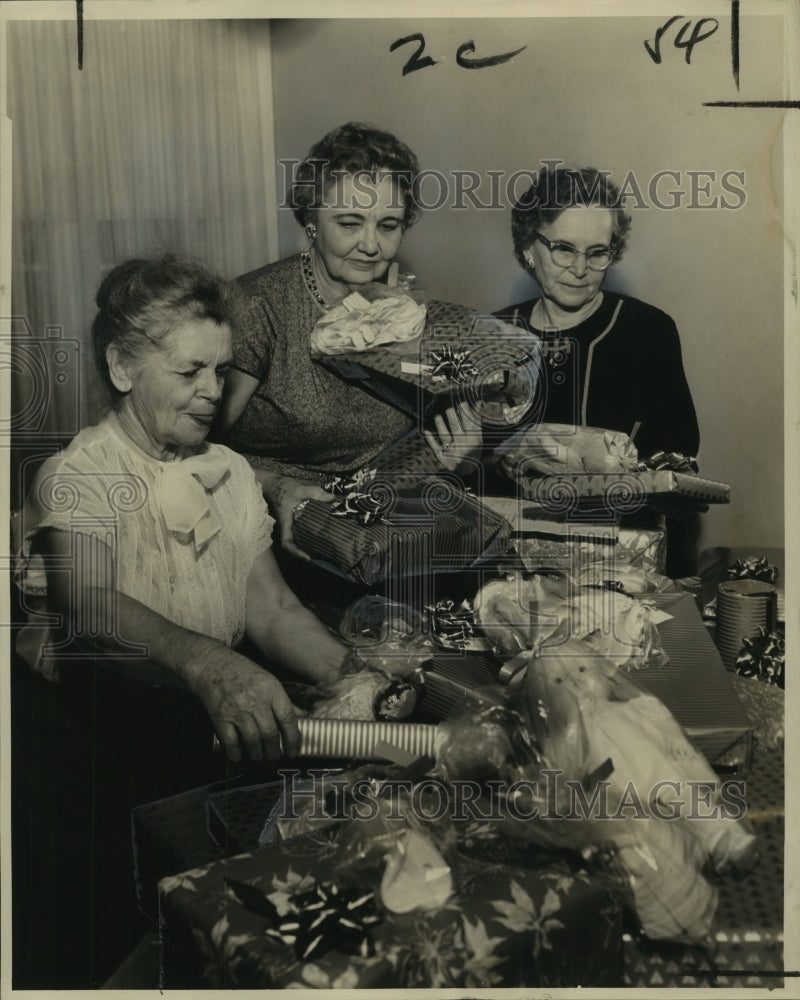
{"points": [[458, 438], [284, 496], [248, 706]]}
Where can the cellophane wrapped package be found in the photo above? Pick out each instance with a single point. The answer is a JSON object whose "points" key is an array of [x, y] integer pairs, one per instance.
{"points": [[375, 316], [521, 612], [554, 449], [662, 818]]}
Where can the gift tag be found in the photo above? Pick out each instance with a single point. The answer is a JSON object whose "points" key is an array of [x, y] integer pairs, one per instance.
{"points": [[657, 615], [355, 302], [414, 368], [416, 876]]}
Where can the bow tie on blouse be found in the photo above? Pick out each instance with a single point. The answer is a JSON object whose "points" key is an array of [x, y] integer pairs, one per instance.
{"points": [[184, 495]]}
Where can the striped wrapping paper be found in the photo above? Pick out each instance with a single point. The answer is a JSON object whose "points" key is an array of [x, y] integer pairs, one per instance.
{"points": [[432, 526], [346, 738]]}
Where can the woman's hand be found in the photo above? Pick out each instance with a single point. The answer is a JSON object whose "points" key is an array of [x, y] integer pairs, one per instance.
{"points": [[458, 437], [284, 495], [247, 706]]}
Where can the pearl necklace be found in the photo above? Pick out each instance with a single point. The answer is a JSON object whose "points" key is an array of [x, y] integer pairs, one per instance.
{"points": [[310, 280]]}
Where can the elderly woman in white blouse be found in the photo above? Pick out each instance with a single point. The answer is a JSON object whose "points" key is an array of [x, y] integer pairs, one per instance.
{"points": [[168, 537]]}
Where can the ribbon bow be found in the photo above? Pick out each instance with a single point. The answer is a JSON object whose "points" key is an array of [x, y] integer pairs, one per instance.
{"points": [[752, 569], [451, 624], [322, 918], [452, 365], [763, 655], [354, 498], [183, 495], [673, 460]]}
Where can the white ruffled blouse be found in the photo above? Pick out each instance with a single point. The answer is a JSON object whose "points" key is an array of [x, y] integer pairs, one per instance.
{"points": [[184, 534]]}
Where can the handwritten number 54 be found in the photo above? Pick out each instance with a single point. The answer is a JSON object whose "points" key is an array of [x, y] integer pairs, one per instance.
{"points": [[419, 61], [699, 34]]}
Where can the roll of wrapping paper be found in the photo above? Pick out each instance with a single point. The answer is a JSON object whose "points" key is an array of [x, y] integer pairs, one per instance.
{"points": [[347, 738], [743, 606]]}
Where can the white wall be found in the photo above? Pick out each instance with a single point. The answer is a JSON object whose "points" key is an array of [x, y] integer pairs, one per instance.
{"points": [[585, 90], [162, 141]]}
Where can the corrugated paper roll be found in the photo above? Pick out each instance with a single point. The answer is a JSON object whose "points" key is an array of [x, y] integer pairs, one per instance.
{"points": [[347, 738], [743, 606]]}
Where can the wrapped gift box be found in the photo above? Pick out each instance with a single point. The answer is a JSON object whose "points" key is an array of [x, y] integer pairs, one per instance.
{"points": [[233, 814], [169, 835], [694, 685], [412, 457], [620, 492], [507, 926], [462, 354], [713, 564], [433, 526], [544, 538]]}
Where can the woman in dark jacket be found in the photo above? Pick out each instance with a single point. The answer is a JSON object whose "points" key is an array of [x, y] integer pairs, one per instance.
{"points": [[612, 361]]}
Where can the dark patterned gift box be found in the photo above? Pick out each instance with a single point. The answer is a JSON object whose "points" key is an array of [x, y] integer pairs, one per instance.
{"points": [[506, 926], [433, 525], [620, 491], [462, 355]]}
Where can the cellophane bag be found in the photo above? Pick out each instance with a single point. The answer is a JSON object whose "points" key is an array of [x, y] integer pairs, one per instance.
{"points": [[661, 818], [369, 695], [520, 612], [386, 636], [616, 625], [483, 744], [408, 861], [549, 449]]}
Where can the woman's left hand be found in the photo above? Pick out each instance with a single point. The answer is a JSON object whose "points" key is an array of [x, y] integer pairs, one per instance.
{"points": [[458, 438]]}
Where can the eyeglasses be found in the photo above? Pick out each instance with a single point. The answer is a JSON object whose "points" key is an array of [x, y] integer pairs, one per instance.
{"points": [[565, 255]]}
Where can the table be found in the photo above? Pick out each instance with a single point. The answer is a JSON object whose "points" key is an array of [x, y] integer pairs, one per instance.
{"points": [[173, 836], [747, 945]]}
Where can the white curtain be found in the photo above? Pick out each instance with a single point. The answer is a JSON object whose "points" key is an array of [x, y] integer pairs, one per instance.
{"points": [[162, 141]]}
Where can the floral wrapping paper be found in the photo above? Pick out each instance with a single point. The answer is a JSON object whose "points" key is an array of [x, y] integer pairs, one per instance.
{"points": [[507, 925]]}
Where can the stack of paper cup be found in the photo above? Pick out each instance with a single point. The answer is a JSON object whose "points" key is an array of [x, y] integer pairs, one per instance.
{"points": [[742, 607]]}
